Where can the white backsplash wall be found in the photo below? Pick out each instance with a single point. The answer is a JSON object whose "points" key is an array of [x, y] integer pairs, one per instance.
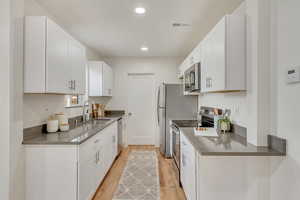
{"points": [[38, 107], [236, 102]]}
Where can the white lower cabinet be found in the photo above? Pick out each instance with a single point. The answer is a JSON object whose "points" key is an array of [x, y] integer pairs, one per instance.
{"points": [[188, 168], [210, 177], [232, 177], [70, 172]]}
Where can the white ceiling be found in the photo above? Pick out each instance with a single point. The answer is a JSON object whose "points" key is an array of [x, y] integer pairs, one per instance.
{"points": [[113, 29]]}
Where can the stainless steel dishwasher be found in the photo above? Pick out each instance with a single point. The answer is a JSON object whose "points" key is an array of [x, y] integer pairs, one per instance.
{"points": [[120, 135]]}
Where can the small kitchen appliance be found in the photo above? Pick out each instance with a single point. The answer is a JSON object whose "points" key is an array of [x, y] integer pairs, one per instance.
{"points": [[192, 78]]}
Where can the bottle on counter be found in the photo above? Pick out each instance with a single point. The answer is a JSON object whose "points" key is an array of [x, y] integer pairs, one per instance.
{"points": [[63, 121], [52, 125]]}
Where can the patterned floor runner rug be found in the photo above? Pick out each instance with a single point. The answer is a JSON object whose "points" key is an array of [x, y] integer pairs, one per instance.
{"points": [[140, 179]]}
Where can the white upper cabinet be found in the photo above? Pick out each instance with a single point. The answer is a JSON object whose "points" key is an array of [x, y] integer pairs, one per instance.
{"points": [[222, 54], [223, 63], [100, 79], [78, 63], [54, 61], [58, 74]]}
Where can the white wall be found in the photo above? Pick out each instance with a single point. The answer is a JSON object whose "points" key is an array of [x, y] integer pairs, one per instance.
{"points": [[285, 173], [39, 106], [165, 70], [17, 177], [4, 98], [11, 149]]}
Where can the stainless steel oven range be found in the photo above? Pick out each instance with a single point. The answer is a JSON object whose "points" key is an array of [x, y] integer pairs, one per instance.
{"points": [[208, 117], [175, 139], [176, 145]]}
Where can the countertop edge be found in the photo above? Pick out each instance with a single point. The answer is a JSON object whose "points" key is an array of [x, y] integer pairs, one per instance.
{"points": [[244, 154], [234, 154], [96, 130]]}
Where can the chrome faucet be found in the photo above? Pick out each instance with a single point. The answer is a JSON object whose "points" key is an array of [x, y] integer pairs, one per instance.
{"points": [[84, 111]]}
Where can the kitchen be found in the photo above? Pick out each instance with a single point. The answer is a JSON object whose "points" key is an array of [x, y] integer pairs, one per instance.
{"points": [[164, 92]]}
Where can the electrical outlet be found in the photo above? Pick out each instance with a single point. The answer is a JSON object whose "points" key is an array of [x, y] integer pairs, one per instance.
{"points": [[236, 109], [293, 75]]}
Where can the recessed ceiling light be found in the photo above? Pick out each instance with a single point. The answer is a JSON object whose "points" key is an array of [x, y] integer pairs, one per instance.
{"points": [[144, 48], [140, 10]]}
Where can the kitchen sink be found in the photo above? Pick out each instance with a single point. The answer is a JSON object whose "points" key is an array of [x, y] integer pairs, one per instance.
{"points": [[102, 119]]}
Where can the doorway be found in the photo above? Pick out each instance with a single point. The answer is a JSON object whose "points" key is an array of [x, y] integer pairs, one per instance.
{"points": [[141, 109]]}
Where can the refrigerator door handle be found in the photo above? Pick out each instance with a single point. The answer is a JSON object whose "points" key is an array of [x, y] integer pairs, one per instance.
{"points": [[157, 109], [158, 116]]}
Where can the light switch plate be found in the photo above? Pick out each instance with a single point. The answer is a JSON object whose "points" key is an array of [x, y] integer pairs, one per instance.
{"points": [[293, 75]]}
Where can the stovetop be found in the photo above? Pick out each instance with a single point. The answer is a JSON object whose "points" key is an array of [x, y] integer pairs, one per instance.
{"points": [[185, 123]]}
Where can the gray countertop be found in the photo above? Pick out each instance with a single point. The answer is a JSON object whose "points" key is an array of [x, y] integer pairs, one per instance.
{"points": [[74, 136], [229, 144]]}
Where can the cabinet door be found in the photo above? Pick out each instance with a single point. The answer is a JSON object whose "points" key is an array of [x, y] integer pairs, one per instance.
{"points": [[114, 141], [100, 159], [198, 165], [58, 74], [86, 177], [185, 173], [183, 160], [111, 144], [87, 169], [188, 168], [205, 66], [78, 66], [108, 149], [217, 64], [34, 54], [111, 82], [191, 174], [95, 78], [107, 80]]}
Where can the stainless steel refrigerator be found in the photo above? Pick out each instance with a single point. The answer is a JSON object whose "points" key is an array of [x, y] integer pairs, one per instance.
{"points": [[172, 105]]}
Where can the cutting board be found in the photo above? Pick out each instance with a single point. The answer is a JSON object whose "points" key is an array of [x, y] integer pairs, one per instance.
{"points": [[209, 132]]}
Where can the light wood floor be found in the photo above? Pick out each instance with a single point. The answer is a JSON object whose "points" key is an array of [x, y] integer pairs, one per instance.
{"points": [[169, 186]]}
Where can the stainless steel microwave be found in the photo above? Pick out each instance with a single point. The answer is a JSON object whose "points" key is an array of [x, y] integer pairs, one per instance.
{"points": [[192, 78]]}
